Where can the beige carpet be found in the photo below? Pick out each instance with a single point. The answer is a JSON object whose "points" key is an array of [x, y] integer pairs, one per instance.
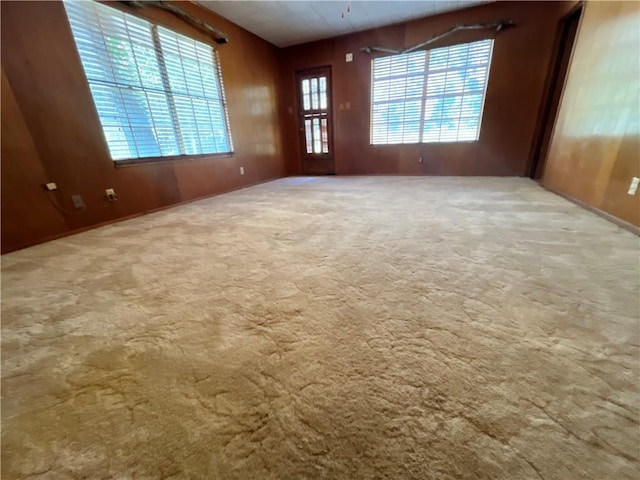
{"points": [[338, 328]]}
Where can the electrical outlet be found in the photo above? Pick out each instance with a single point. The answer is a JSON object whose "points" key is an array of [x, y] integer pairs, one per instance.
{"points": [[633, 188], [50, 186], [419, 159], [77, 201], [111, 194], [241, 170]]}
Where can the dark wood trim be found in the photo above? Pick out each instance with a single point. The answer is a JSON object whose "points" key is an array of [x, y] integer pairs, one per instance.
{"points": [[578, 6], [69, 233], [601, 213], [556, 79], [132, 162]]}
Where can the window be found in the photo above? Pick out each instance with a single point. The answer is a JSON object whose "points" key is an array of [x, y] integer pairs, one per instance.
{"points": [[157, 93], [430, 96]]}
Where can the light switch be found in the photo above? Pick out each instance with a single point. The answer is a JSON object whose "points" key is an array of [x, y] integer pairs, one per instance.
{"points": [[348, 57]]}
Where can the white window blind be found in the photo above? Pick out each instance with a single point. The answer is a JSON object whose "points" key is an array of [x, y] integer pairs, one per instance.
{"points": [[158, 93], [430, 96]]}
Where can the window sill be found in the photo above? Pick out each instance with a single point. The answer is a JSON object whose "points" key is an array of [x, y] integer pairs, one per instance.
{"points": [[132, 162], [452, 142]]}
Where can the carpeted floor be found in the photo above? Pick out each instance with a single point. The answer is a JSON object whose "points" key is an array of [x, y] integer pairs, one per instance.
{"points": [[338, 328]]}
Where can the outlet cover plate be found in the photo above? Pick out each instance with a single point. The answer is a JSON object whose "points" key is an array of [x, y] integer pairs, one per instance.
{"points": [[77, 201]]}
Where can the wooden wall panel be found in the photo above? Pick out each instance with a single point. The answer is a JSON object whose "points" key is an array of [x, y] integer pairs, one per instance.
{"points": [[516, 85], [22, 185], [595, 148], [51, 131]]}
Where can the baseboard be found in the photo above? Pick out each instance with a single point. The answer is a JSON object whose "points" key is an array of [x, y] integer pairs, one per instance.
{"points": [[75, 231], [607, 216]]}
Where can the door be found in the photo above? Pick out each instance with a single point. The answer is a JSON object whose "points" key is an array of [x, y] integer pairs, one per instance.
{"points": [[314, 121], [564, 47]]}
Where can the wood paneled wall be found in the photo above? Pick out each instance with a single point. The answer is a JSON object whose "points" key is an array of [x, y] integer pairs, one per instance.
{"points": [[521, 59], [51, 131], [595, 148]]}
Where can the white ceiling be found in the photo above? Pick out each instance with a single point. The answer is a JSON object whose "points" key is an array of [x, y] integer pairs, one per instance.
{"points": [[286, 23]]}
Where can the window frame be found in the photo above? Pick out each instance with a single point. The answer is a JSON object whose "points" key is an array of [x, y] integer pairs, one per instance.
{"points": [[424, 97], [147, 15]]}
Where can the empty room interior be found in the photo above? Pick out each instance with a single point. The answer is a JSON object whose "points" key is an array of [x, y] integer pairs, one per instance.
{"points": [[320, 240]]}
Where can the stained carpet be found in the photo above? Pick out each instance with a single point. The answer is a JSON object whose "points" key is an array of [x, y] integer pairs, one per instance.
{"points": [[338, 328]]}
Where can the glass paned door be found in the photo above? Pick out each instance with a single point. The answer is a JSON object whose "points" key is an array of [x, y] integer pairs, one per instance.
{"points": [[314, 95]]}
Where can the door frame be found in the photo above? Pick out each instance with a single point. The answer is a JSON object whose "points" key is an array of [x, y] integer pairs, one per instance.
{"points": [[554, 90], [299, 75]]}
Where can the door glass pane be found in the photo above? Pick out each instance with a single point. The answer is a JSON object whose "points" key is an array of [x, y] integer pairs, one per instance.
{"points": [[325, 136], [314, 93], [323, 92], [308, 136], [316, 136], [306, 99]]}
